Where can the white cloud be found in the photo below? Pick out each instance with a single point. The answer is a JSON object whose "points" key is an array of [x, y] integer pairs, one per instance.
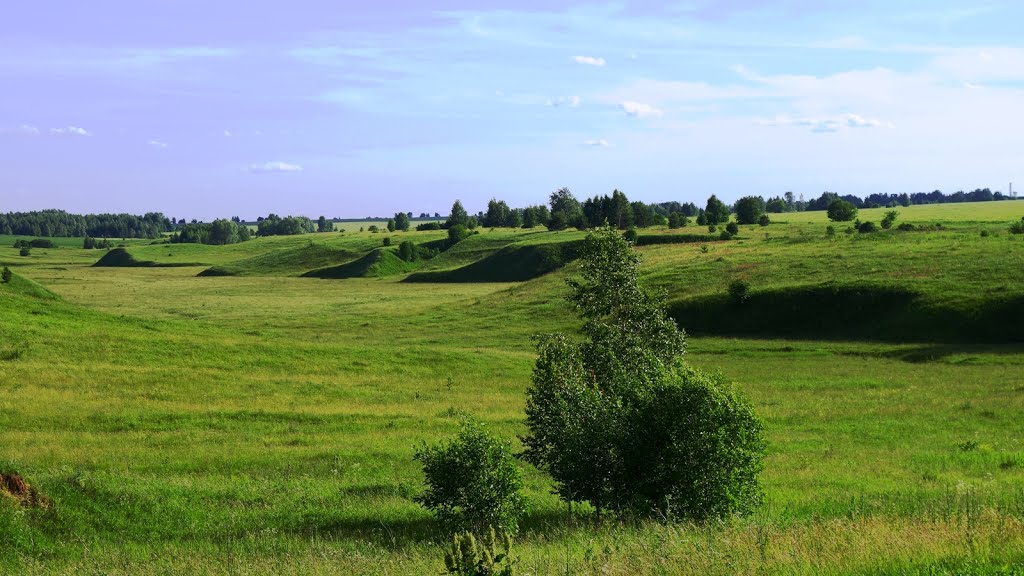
{"points": [[275, 166], [640, 110], [590, 60], [157, 144], [227, 133], [828, 123], [569, 101], [22, 130], [70, 131], [598, 143]]}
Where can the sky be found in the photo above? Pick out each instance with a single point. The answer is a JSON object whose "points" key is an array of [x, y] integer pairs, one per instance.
{"points": [[203, 109]]}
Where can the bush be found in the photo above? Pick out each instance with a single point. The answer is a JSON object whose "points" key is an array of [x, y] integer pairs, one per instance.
{"points": [[725, 235], [906, 227], [1017, 227], [373, 229], [620, 422], [984, 233], [631, 236], [457, 233], [739, 291], [6, 275], [841, 211], [830, 231], [25, 251], [749, 209], [867, 227], [712, 228], [428, 226], [732, 228], [387, 240], [764, 220], [473, 482], [407, 251], [889, 218]]}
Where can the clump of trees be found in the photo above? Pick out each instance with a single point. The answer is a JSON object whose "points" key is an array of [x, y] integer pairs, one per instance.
{"points": [[274, 225], [749, 209], [620, 422], [57, 223], [219, 232], [90, 243], [35, 243]]}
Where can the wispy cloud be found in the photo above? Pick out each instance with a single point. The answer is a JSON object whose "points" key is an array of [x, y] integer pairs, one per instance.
{"points": [[828, 124], [275, 166], [597, 143], [22, 130], [567, 101], [640, 110], [70, 131], [227, 133], [590, 60], [157, 144]]}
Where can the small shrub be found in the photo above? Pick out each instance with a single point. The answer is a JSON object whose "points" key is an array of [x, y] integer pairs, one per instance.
{"points": [[841, 211], [457, 233], [387, 240], [712, 228], [732, 228], [830, 231], [1017, 227], [984, 233], [373, 228], [889, 218], [764, 220], [849, 230], [631, 235], [428, 226], [867, 227], [906, 227], [473, 482], [6, 276], [407, 251], [725, 235], [25, 251], [739, 291], [704, 248], [464, 558]]}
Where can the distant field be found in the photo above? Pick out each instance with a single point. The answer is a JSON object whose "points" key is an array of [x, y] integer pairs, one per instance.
{"points": [[264, 423]]}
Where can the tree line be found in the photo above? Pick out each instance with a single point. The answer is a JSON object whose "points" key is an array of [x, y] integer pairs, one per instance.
{"points": [[58, 223]]}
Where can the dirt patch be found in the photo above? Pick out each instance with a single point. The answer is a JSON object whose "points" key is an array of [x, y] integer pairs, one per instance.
{"points": [[14, 486]]}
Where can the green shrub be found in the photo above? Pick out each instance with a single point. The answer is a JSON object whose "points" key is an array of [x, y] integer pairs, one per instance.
{"points": [[428, 226], [1017, 227], [841, 211], [725, 235], [373, 228], [25, 251], [457, 233], [739, 291], [732, 228], [712, 228], [764, 220], [407, 251], [867, 227], [465, 558], [984, 233], [906, 227], [830, 231], [889, 218], [6, 275], [473, 482], [631, 235], [387, 240]]}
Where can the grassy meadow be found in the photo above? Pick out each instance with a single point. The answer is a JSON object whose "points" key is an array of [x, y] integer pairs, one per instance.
{"points": [[262, 422]]}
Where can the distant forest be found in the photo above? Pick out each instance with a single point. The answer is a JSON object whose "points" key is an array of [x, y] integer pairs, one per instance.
{"points": [[565, 212]]}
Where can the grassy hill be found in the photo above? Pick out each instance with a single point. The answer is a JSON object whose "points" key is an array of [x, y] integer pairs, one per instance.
{"points": [[266, 423]]}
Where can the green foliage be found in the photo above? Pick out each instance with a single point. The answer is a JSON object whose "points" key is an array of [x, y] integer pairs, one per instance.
{"points": [[458, 216], [889, 218], [274, 225], [457, 233], [1017, 227], [387, 240], [35, 243], [586, 399], [867, 227], [631, 235], [90, 243], [465, 558], [712, 228], [407, 251], [716, 212], [840, 210], [373, 229], [6, 276], [830, 231], [739, 291], [677, 220], [25, 251], [472, 482], [401, 220], [566, 211], [725, 235], [733, 228], [391, 225], [749, 209], [428, 226], [764, 220]]}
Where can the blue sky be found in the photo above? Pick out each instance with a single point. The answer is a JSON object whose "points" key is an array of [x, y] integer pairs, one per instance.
{"points": [[203, 109]]}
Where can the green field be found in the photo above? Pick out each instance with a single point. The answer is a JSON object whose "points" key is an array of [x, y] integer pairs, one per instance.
{"points": [[264, 423]]}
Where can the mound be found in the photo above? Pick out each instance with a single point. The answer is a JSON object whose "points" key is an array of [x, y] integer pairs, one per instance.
{"points": [[851, 312], [378, 263], [121, 258], [285, 262], [22, 285], [14, 486], [515, 263]]}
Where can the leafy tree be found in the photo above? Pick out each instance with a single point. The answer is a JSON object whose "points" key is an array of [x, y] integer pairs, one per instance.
{"points": [[702, 218], [324, 225], [716, 212], [840, 210], [566, 211], [472, 482], [889, 218], [643, 215], [274, 225], [6, 276], [732, 228], [402, 222], [777, 205], [391, 225], [536, 216], [458, 216], [407, 251], [498, 214], [764, 220], [749, 209], [677, 220], [457, 234], [599, 412]]}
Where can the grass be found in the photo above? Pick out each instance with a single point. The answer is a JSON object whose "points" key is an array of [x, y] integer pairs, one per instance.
{"points": [[265, 424]]}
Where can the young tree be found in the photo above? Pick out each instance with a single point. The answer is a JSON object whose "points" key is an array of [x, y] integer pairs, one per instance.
{"points": [[566, 211], [458, 216], [324, 225], [840, 210], [749, 209], [716, 212], [391, 225], [599, 412], [889, 218], [401, 221], [6, 276]]}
